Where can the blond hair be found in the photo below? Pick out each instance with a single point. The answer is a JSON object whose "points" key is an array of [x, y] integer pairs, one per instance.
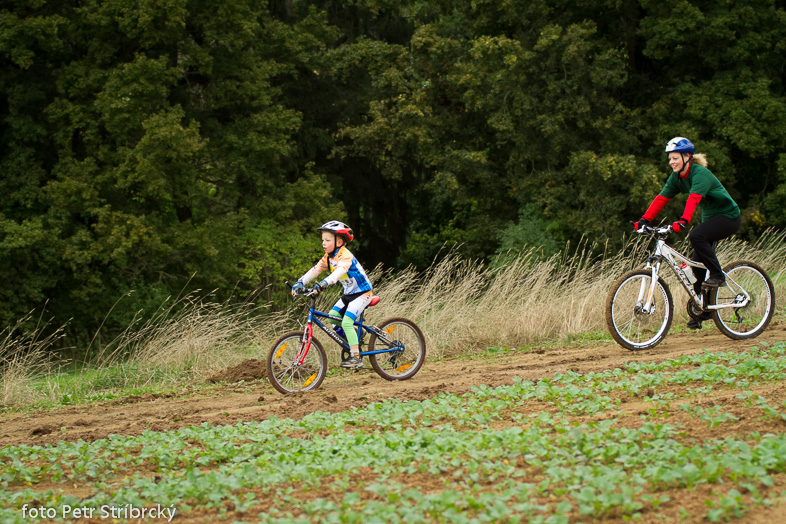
{"points": [[699, 158]]}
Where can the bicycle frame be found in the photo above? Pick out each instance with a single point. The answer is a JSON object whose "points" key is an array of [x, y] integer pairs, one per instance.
{"points": [[314, 317], [673, 258]]}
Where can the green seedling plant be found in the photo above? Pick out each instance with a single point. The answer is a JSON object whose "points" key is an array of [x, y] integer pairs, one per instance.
{"points": [[553, 450], [775, 413], [713, 416], [728, 506]]}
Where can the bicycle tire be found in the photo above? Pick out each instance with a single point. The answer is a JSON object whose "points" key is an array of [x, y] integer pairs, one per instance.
{"points": [[749, 321], [287, 376], [634, 329], [402, 364]]}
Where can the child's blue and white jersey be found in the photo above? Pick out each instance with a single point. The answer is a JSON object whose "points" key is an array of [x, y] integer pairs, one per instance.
{"points": [[344, 268]]}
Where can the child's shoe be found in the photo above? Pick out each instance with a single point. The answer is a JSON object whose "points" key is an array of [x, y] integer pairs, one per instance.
{"points": [[352, 363]]}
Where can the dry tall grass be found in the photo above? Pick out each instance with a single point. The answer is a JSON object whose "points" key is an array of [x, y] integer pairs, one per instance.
{"points": [[462, 306], [23, 359], [186, 340], [191, 338]]}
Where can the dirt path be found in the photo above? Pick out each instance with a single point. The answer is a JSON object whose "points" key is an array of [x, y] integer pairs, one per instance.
{"points": [[257, 400]]}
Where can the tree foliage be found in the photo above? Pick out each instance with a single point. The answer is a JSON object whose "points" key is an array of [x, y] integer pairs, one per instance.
{"points": [[149, 146], [140, 141]]}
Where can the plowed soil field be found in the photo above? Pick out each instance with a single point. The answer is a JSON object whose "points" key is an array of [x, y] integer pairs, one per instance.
{"points": [[252, 400]]}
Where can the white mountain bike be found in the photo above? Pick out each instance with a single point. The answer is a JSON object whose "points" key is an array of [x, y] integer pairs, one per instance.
{"points": [[640, 308]]}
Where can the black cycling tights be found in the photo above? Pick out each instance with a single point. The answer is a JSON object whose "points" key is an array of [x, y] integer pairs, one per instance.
{"points": [[704, 238]]}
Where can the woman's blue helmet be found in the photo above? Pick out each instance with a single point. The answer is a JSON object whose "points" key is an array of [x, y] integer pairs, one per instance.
{"points": [[680, 145]]}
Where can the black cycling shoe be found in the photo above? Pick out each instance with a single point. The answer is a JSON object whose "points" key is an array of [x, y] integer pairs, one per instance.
{"points": [[705, 315], [695, 323], [714, 282]]}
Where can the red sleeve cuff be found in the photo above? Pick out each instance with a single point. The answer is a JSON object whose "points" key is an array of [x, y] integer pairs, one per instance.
{"points": [[657, 205], [690, 206]]}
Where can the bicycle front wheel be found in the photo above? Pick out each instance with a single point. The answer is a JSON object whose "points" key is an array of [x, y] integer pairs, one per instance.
{"points": [[631, 326], [291, 372], [407, 349], [751, 319]]}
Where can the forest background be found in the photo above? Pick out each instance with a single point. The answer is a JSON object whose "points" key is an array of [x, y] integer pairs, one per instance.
{"points": [[149, 147]]}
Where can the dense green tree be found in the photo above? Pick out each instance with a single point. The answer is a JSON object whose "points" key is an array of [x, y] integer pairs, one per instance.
{"points": [[481, 115], [156, 145], [718, 75], [493, 107], [142, 146]]}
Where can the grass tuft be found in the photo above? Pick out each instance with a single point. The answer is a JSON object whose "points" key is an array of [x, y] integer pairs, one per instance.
{"points": [[463, 307], [23, 359]]}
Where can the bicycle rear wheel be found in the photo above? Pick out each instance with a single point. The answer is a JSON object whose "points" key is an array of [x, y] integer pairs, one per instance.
{"points": [[631, 327], [750, 320], [409, 349], [286, 373]]}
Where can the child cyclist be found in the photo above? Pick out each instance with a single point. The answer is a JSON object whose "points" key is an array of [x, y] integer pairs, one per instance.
{"points": [[720, 217], [344, 268]]}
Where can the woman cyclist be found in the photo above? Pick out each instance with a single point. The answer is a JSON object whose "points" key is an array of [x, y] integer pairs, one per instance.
{"points": [[720, 217]]}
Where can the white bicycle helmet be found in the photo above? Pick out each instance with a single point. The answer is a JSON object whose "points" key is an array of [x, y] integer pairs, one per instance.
{"points": [[680, 144], [338, 228]]}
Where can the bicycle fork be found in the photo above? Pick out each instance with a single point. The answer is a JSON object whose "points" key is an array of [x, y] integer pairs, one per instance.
{"points": [[304, 348], [305, 345], [647, 306]]}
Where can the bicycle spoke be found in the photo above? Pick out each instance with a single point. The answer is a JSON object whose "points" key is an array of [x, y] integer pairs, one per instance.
{"points": [[745, 282], [286, 371], [407, 345], [630, 326]]}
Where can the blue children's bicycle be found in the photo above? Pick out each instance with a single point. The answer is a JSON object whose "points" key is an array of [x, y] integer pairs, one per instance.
{"points": [[297, 362]]}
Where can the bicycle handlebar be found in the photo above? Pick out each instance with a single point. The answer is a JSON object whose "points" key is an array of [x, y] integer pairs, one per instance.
{"points": [[303, 292], [647, 230]]}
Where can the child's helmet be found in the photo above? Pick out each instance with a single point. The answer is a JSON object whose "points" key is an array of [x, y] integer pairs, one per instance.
{"points": [[680, 144], [338, 228]]}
